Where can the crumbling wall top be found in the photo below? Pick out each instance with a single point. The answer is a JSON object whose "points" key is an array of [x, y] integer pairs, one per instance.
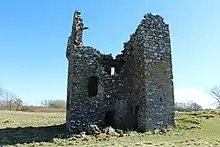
{"points": [[77, 28]]}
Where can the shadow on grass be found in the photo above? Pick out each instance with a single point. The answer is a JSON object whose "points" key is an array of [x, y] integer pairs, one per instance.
{"points": [[12, 136]]}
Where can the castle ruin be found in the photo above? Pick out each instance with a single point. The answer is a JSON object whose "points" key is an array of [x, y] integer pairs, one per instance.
{"points": [[132, 91]]}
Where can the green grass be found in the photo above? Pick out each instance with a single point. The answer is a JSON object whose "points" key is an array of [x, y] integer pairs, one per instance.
{"points": [[46, 129]]}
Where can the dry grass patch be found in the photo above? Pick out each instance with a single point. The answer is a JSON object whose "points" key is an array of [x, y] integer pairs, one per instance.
{"points": [[47, 129]]}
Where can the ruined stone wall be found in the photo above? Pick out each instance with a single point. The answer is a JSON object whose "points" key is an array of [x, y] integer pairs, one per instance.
{"points": [[83, 109], [153, 73], [139, 95], [146, 76], [85, 62]]}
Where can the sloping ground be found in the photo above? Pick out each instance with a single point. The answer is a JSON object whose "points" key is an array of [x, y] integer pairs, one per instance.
{"points": [[46, 129]]}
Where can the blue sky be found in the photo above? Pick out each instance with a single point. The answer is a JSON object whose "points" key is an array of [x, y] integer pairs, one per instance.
{"points": [[33, 38]]}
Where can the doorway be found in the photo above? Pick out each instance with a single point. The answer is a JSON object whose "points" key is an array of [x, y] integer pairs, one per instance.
{"points": [[110, 119]]}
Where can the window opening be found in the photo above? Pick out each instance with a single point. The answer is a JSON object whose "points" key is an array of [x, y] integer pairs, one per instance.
{"points": [[92, 86], [112, 70]]}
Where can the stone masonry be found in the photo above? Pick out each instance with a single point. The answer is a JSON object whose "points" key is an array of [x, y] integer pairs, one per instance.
{"points": [[134, 90]]}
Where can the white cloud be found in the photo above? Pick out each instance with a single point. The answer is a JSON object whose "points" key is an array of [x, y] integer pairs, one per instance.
{"points": [[194, 94]]}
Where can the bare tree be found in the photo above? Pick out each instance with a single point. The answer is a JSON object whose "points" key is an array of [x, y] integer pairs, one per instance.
{"points": [[60, 104], [54, 103], [215, 93], [18, 103], [194, 106], [2, 102], [9, 100], [45, 103], [187, 106]]}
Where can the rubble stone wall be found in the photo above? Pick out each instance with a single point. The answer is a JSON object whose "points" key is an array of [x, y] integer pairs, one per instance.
{"points": [[153, 73], [140, 93]]}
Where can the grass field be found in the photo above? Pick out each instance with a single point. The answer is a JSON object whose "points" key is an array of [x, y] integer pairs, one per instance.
{"points": [[46, 129]]}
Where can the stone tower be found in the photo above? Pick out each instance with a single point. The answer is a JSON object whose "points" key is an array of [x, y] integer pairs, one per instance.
{"points": [[134, 90]]}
